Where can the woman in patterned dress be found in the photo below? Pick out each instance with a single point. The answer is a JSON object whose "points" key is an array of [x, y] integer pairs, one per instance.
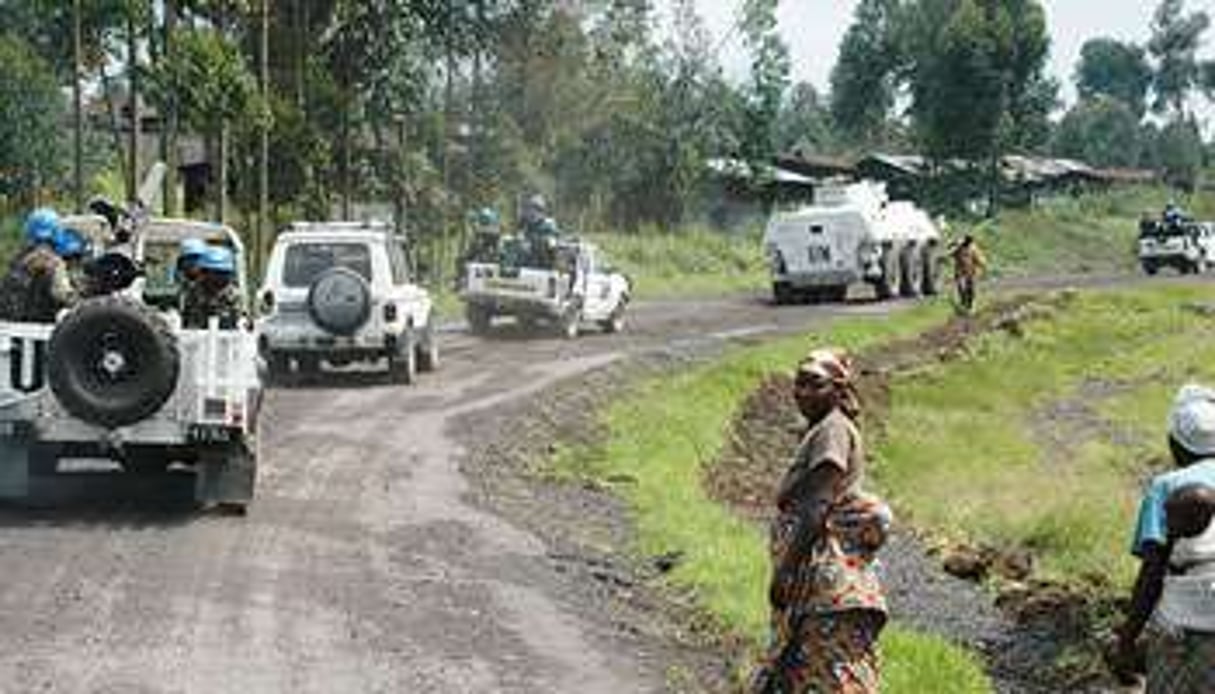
{"points": [[828, 607]]}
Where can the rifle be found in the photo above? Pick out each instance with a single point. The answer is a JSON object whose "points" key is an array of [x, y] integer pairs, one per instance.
{"points": [[118, 267]]}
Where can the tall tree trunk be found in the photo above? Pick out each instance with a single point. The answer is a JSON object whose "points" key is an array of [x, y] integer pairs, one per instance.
{"points": [[168, 118], [132, 105], [221, 195], [77, 110], [263, 179]]}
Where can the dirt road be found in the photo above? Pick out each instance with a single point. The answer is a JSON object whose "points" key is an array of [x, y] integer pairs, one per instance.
{"points": [[362, 566]]}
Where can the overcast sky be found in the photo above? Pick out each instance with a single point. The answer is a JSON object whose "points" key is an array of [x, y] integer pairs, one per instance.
{"points": [[813, 29]]}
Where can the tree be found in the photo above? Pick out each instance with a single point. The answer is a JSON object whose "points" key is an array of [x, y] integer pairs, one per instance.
{"points": [[1118, 70], [1181, 153], [805, 121], [1103, 131], [862, 81], [1176, 37], [769, 79], [31, 113]]}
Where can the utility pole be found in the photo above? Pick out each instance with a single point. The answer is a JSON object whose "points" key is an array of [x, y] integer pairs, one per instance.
{"points": [[78, 108], [263, 184], [132, 104]]}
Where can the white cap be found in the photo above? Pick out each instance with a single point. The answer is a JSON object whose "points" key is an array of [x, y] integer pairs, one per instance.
{"points": [[1192, 421]]}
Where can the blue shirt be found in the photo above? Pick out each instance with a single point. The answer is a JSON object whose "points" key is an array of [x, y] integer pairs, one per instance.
{"points": [[1151, 525]]}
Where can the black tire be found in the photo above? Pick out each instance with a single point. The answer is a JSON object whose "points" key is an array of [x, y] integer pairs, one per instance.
{"points": [[1151, 269], [428, 351], [403, 365], [479, 318], [884, 286], [782, 293], [113, 362], [929, 277], [909, 272], [277, 366], [615, 322], [569, 323], [837, 294], [339, 301]]}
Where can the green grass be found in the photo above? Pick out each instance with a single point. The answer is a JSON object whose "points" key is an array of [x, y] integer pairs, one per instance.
{"points": [[962, 455], [725, 560], [1091, 233], [690, 262]]}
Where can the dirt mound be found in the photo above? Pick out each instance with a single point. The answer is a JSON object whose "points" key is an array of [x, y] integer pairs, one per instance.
{"points": [[767, 427]]}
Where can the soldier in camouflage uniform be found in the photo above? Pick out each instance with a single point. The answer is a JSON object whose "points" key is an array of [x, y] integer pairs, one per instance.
{"points": [[38, 284], [210, 292]]}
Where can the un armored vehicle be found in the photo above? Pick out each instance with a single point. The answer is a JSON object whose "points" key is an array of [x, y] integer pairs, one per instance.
{"points": [[1182, 244], [852, 233], [575, 287], [343, 292], [118, 378]]}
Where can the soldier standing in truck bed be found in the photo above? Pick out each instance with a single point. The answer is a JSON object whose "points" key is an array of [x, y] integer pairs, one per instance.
{"points": [[210, 292], [38, 283]]}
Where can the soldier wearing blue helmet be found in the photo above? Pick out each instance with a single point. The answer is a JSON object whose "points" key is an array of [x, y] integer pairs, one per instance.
{"points": [[38, 283], [211, 292]]}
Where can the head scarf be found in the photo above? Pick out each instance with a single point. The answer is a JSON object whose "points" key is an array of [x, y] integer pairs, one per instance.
{"points": [[836, 367], [1192, 420]]}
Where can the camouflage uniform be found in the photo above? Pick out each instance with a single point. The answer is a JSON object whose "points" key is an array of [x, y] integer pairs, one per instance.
{"points": [[37, 286], [200, 302]]}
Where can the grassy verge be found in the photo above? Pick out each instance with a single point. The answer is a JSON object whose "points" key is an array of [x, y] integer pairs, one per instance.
{"points": [[1068, 417], [1092, 233], [725, 562]]}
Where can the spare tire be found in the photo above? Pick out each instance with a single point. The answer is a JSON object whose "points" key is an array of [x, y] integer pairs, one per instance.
{"points": [[339, 301], [112, 362]]}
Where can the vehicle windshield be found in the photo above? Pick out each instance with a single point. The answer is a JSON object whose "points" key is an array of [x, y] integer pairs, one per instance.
{"points": [[305, 262], [1159, 230]]}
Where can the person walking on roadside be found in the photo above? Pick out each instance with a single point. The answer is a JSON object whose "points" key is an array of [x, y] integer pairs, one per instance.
{"points": [[38, 283], [968, 266], [828, 605], [1173, 602]]}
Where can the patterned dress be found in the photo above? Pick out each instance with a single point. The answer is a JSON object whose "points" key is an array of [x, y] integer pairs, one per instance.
{"points": [[830, 607]]}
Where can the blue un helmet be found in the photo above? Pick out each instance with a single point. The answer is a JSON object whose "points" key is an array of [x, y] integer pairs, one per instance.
{"points": [[71, 244], [42, 226], [487, 217], [218, 259], [191, 250]]}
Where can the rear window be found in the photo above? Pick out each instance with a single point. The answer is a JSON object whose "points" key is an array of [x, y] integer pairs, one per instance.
{"points": [[305, 262]]}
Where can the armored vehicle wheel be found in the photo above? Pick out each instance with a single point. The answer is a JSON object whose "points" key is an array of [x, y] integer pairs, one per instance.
{"points": [[928, 271], [1150, 268], [909, 271], [339, 301], [884, 286], [837, 294], [112, 362], [782, 293], [479, 318], [403, 365], [428, 351]]}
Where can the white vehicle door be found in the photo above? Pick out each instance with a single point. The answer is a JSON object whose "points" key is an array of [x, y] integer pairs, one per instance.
{"points": [[598, 302]]}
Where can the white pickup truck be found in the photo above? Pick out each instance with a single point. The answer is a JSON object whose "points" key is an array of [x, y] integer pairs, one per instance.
{"points": [[581, 287], [118, 379]]}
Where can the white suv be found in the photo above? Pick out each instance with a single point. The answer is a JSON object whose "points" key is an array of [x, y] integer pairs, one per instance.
{"points": [[342, 292]]}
